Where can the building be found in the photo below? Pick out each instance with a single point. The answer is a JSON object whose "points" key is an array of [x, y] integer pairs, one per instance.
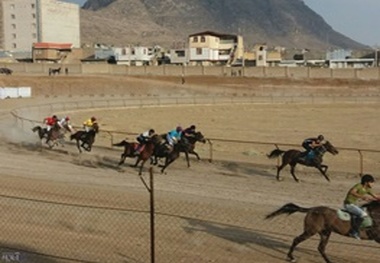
{"points": [[211, 48], [24, 22]]}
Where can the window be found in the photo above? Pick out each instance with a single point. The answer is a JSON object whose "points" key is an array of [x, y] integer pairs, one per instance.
{"points": [[13, 26], [13, 16], [14, 36], [195, 39], [12, 6], [180, 53], [14, 45], [203, 39], [261, 57], [199, 51], [34, 15], [33, 6]]}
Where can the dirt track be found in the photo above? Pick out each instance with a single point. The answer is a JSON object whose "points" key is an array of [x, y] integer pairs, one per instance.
{"points": [[220, 205]]}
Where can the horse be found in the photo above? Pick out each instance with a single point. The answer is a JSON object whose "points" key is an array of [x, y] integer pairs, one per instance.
{"points": [[323, 220], [292, 157], [6, 71], [54, 135], [145, 153], [87, 138], [197, 137], [53, 71], [162, 151]]}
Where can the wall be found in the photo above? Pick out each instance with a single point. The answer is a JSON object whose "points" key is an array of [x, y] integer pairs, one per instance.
{"points": [[171, 70]]}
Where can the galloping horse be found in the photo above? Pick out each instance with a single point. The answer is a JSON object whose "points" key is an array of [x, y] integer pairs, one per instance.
{"points": [[198, 137], [323, 220], [292, 157], [54, 135], [87, 138], [145, 154], [161, 151]]}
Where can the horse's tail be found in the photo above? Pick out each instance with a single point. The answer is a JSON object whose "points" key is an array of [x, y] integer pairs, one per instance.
{"points": [[122, 143], [72, 136], [289, 209], [275, 153]]}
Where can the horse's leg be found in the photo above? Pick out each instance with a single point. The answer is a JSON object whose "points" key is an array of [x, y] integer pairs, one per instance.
{"points": [[325, 235], [168, 161], [292, 169], [279, 168], [141, 166], [137, 162], [78, 146], [305, 235], [187, 159], [323, 168], [196, 154], [122, 159]]}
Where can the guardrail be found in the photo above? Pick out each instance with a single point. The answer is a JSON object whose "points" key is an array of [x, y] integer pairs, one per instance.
{"points": [[159, 102]]}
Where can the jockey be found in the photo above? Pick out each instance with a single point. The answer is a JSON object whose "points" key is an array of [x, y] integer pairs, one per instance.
{"points": [[64, 123], [88, 124], [310, 144], [143, 138], [173, 136], [189, 132], [363, 191], [50, 122]]}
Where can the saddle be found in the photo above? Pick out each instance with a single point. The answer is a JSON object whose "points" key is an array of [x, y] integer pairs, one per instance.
{"points": [[346, 216]]}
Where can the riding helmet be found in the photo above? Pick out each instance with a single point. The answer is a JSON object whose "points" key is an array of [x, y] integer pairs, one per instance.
{"points": [[55, 117], [179, 129], [192, 127], [367, 178], [321, 137], [93, 119], [67, 118], [151, 131]]}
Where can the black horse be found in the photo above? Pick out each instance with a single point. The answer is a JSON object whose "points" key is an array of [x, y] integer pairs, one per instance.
{"points": [[162, 150], [6, 71], [53, 71], [292, 157], [196, 137], [87, 138], [323, 220]]}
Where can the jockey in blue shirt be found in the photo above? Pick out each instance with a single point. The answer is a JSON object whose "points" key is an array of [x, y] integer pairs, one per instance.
{"points": [[174, 136]]}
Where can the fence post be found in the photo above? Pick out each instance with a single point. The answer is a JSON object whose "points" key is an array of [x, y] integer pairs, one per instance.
{"points": [[152, 218], [360, 162], [211, 150]]}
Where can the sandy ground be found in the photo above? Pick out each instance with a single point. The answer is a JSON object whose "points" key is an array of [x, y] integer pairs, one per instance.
{"points": [[62, 206]]}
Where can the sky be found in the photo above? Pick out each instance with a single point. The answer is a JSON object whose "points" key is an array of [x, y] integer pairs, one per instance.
{"points": [[356, 19]]}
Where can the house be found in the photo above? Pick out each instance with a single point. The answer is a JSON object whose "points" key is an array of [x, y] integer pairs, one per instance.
{"points": [[211, 48], [261, 56], [51, 52]]}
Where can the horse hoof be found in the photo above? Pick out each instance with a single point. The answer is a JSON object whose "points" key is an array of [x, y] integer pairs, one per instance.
{"points": [[291, 260]]}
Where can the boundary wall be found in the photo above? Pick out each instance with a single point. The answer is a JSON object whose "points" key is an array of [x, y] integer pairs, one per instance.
{"points": [[172, 70]]}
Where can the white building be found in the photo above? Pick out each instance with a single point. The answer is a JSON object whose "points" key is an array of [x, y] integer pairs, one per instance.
{"points": [[24, 22]]}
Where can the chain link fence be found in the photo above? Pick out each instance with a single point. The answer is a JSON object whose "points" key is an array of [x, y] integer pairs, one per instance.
{"points": [[75, 223]]}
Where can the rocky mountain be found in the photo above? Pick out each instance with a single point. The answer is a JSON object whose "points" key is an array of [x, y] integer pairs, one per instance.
{"points": [[288, 23]]}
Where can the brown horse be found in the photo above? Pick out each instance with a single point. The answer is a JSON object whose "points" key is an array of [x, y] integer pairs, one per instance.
{"points": [[145, 153], [53, 137], [87, 138], [323, 220], [292, 157]]}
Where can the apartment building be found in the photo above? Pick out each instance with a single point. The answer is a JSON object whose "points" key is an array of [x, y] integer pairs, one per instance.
{"points": [[24, 22], [211, 48]]}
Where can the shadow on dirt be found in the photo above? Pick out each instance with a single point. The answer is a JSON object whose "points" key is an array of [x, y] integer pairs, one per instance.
{"points": [[19, 253]]}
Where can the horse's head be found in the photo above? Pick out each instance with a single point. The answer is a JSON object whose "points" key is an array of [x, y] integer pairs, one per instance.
{"points": [[199, 137], [330, 148]]}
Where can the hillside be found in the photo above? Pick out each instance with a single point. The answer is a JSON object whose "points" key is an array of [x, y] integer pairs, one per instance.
{"points": [[287, 23]]}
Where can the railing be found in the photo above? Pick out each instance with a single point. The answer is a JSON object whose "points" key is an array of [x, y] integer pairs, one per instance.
{"points": [[158, 102]]}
